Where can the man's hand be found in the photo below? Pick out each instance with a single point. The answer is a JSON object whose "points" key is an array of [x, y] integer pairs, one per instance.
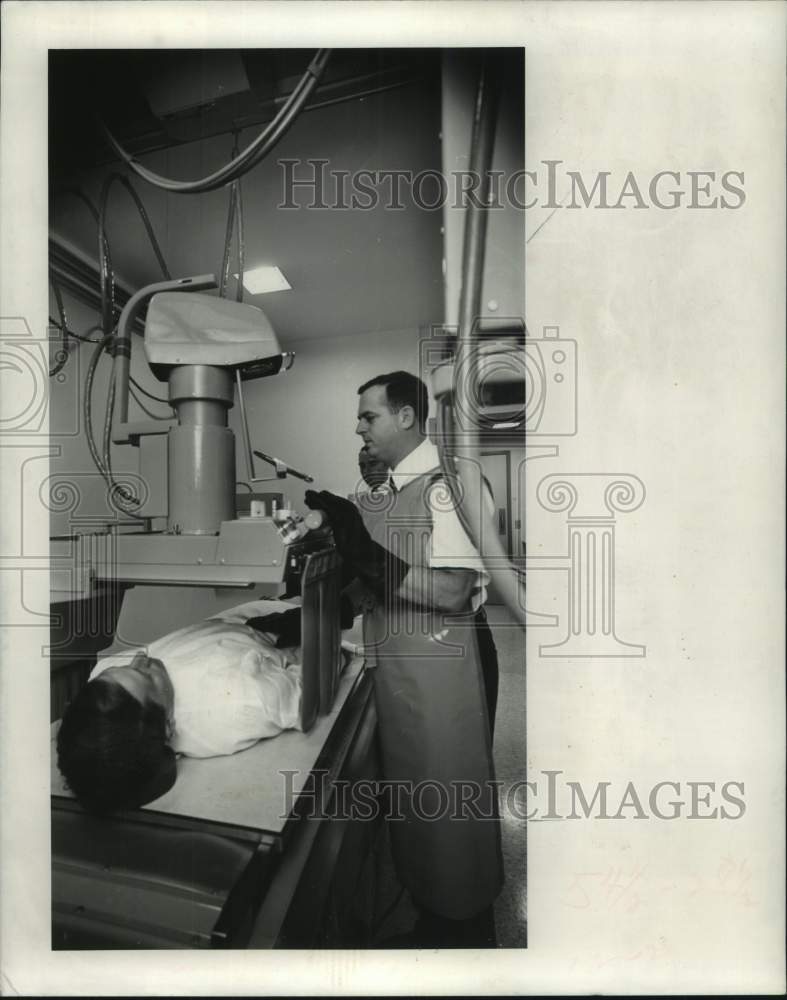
{"points": [[364, 558], [335, 506], [286, 625], [349, 533]]}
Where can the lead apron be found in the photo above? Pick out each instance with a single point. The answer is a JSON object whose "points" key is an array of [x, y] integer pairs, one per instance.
{"points": [[433, 728]]}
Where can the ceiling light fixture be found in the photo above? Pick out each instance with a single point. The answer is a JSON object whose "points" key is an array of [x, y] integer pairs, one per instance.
{"points": [[259, 280]]}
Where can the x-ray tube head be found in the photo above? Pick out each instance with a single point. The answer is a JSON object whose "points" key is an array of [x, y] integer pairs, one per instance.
{"points": [[188, 328]]}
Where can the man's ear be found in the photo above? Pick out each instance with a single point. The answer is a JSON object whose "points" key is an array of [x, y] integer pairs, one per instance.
{"points": [[406, 417]]}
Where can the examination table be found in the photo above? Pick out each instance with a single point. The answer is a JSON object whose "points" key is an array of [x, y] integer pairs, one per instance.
{"points": [[229, 857]]}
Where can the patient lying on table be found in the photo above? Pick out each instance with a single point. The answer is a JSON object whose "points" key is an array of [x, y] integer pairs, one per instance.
{"points": [[206, 690]]}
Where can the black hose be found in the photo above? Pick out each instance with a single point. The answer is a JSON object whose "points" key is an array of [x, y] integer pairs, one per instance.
{"points": [[106, 437], [282, 125], [150, 395], [79, 193], [61, 357], [135, 388], [76, 336], [106, 275], [87, 402], [118, 494], [115, 489], [148, 226], [105, 268], [104, 257], [250, 156]]}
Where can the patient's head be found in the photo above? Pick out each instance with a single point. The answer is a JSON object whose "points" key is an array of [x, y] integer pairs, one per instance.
{"points": [[112, 743], [373, 470]]}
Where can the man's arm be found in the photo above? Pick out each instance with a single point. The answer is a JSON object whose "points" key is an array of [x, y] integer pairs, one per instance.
{"points": [[360, 598], [442, 588], [454, 561], [286, 625]]}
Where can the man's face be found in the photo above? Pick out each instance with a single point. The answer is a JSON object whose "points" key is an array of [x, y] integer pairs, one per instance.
{"points": [[379, 426], [145, 679]]}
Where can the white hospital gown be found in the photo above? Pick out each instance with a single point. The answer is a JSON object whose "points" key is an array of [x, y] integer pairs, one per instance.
{"points": [[232, 688]]}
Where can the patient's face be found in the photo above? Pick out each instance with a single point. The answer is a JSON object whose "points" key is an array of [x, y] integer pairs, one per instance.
{"points": [[373, 470], [145, 679]]}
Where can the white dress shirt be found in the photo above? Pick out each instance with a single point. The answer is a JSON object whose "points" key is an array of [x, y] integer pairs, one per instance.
{"points": [[232, 687], [451, 547]]}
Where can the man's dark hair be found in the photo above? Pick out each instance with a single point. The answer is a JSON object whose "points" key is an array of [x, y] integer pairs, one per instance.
{"points": [[403, 389], [112, 749]]}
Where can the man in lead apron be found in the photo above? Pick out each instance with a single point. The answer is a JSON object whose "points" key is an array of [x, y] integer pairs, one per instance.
{"points": [[432, 702]]}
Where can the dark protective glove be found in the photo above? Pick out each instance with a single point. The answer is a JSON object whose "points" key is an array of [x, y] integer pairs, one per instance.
{"points": [[379, 569], [286, 625], [346, 523], [348, 529]]}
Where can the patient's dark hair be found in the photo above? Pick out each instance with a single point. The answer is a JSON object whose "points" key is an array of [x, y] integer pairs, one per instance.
{"points": [[112, 749]]}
